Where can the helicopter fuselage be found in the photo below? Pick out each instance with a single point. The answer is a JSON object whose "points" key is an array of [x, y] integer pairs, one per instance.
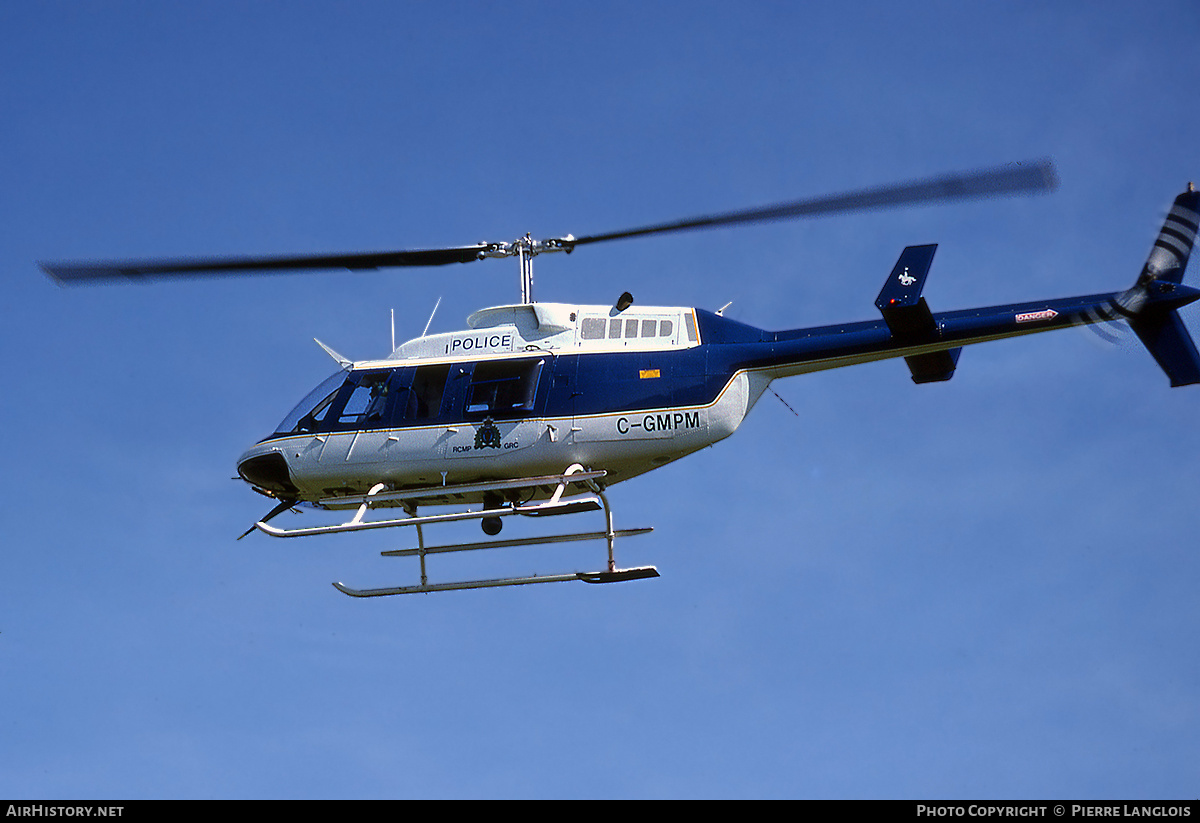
{"points": [[527, 390], [530, 389]]}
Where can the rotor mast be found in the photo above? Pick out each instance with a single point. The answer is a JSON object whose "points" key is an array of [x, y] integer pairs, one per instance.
{"points": [[525, 249]]}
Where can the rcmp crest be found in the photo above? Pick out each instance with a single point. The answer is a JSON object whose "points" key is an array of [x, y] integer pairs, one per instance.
{"points": [[487, 436]]}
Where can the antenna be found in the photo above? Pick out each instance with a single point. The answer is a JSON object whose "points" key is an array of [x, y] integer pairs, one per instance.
{"points": [[393, 329], [431, 314]]}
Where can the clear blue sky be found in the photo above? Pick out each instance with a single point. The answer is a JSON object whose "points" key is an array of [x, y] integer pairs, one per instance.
{"points": [[984, 588]]}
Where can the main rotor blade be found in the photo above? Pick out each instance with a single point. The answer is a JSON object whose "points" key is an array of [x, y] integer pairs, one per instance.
{"points": [[137, 270], [1013, 178]]}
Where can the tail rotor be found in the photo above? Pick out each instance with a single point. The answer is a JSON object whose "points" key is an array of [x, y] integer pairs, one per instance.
{"points": [[1151, 306]]}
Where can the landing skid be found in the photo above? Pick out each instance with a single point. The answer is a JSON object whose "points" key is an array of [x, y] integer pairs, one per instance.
{"points": [[379, 496], [587, 577]]}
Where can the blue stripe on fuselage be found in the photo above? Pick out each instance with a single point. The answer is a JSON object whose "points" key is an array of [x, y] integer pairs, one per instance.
{"points": [[590, 383]]}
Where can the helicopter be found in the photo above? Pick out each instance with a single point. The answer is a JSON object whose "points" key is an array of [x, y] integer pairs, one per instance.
{"points": [[537, 408]]}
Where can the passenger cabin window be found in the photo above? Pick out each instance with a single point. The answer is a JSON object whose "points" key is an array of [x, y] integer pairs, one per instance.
{"points": [[503, 387], [629, 328], [423, 400], [592, 328]]}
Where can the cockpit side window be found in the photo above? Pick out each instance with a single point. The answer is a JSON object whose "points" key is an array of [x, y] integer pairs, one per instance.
{"points": [[359, 400], [316, 420], [366, 404]]}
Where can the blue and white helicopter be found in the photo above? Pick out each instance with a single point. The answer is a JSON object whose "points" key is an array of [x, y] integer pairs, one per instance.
{"points": [[537, 408]]}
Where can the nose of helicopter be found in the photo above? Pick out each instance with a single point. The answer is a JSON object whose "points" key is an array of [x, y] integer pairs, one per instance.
{"points": [[267, 470]]}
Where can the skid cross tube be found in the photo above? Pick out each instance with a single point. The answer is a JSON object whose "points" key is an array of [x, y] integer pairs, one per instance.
{"points": [[379, 496]]}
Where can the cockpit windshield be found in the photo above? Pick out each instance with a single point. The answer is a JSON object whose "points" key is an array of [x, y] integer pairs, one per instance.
{"points": [[401, 396], [308, 415]]}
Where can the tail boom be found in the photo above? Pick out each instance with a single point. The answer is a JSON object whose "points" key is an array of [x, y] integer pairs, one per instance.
{"points": [[931, 342]]}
